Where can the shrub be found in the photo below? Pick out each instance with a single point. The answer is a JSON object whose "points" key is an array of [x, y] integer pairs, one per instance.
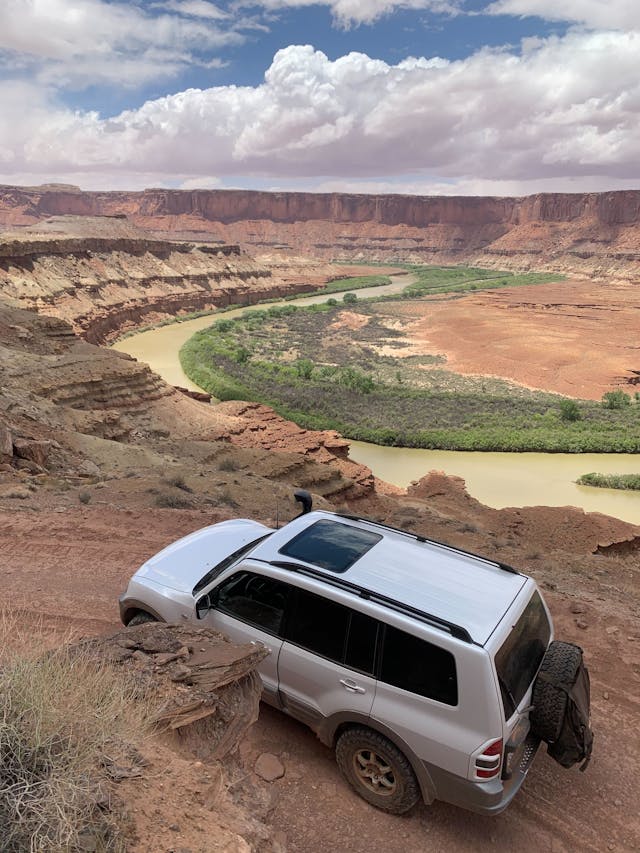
{"points": [[166, 500], [178, 481], [63, 715], [349, 298], [611, 481], [615, 400], [304, 368], [241, 355], [228, 463], [569, 410], [351, 377], [84, 497]]}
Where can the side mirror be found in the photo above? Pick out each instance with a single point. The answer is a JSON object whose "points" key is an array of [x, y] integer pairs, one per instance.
{"points": [[204, 605]]}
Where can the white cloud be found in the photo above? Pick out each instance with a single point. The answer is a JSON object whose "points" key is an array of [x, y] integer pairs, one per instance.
{"points": [[204, 183], [596, 14], [195, 8], [565, 109], [348, 12], [81, 42]]}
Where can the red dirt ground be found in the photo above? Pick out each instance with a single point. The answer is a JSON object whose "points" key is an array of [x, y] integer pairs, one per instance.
{"points": [[578, 338], [65, 568]]}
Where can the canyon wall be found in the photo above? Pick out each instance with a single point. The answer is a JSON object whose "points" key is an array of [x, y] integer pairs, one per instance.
{"points": [[590, 233], [104, 276]]}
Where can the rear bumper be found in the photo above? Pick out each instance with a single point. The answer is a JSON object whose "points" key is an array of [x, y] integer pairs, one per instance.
{"points": [[488, 798]]}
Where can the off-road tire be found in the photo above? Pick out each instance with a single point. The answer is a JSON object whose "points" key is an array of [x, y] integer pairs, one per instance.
{"points": [[560, 662], [360, 751], [140, 618]]}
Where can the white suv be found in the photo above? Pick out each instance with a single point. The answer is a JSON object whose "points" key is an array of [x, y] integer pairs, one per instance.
{"points": [[416, 660]]}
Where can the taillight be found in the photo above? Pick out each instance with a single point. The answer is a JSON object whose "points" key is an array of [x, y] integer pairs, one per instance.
{"points": [[488, 762]]}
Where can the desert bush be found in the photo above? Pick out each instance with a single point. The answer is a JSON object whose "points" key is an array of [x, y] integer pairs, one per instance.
{"points": [[178, 481], [569, 410], [304, 368], [226, 498], [84, 497], [167, 500], [349, 298], [615, 400], [228, 463], [63, 714]]}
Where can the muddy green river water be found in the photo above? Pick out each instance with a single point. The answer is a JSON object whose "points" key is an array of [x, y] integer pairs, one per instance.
{"points": [[495, 479]]}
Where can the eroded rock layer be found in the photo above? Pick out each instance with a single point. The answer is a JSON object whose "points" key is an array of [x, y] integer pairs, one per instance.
{"points": [[592, 233]]}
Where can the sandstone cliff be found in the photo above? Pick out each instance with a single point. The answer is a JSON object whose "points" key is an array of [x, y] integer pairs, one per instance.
{"points": [[105, 276], [584, 232]]}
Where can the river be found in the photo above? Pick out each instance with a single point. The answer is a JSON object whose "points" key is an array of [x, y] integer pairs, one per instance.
{"points": [[495, 479]]}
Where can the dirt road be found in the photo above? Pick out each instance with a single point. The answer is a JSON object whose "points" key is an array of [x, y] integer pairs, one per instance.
{"points": [[66, 568]]}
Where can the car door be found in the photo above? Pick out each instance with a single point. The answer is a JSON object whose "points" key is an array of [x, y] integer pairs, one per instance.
{"points": [[327, 661], [249, 607]]}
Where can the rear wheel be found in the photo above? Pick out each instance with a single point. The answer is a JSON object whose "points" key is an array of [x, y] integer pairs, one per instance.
{"points": [[560, 663], [140, 618], [377, 770]]}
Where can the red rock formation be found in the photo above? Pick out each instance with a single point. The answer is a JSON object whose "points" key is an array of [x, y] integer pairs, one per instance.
{"points": [[582, 232]]}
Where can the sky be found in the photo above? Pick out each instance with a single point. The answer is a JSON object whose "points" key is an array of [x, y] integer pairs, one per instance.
{"points": [[428, 97]]}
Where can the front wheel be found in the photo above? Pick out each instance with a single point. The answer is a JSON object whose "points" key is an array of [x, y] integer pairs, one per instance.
{"points": [[377, 770], [140, 619]]}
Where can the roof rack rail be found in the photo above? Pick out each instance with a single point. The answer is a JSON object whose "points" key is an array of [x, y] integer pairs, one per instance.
{"points": [[504, 566], [456, 631]]}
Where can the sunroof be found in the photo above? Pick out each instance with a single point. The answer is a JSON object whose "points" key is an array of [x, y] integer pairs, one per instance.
{"points": [[330, 545]]}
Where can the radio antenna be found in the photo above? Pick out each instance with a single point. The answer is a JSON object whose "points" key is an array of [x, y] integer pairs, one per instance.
{"points": [[277, 513]]}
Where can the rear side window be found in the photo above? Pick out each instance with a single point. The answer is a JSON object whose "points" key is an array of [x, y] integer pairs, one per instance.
{"points": [[418, 666], [520, 656], [332, 630]]}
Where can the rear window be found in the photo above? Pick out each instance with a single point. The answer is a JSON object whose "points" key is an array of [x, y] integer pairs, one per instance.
{"points": [[520, 655], [331, 545]]}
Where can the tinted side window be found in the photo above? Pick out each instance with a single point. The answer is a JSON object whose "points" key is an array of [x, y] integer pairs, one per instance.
{"points": [[418, 666], [255, 599], [361, 642], [333, 631], [318, 624]]}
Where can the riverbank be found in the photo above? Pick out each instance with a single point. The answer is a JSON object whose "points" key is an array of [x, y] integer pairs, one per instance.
{"points": [[354, 367], [159, 348]]}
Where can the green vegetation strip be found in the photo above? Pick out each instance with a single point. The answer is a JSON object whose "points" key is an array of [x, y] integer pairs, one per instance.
{"points": [[611, 481], [298, 361]]}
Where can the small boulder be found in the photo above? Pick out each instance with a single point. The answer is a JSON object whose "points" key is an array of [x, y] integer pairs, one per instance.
{"points": [[32, 450], [269, 767]]}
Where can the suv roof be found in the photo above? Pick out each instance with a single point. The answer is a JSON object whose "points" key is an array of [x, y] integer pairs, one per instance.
{"points": [[449, 584]]}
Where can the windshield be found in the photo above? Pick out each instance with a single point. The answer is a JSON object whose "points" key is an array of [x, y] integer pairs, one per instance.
{"points": [[228, 561], [520, 655]]}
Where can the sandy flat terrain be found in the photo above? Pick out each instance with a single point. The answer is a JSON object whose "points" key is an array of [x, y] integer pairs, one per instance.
{"points": [[578, 338]]}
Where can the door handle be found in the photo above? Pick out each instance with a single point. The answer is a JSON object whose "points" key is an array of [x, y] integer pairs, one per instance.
{"points": [[350, 685], [258, 643]]}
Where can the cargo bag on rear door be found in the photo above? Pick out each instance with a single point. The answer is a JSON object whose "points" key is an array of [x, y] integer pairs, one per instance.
{"points": [[575, 740]]}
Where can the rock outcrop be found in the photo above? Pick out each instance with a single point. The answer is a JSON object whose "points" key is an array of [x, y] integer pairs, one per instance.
{"points": [[105, 276], [583, 232]]}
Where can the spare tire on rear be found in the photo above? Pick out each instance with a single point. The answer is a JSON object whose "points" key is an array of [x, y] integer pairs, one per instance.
{"points": [[561, 705], [560, 663]]}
